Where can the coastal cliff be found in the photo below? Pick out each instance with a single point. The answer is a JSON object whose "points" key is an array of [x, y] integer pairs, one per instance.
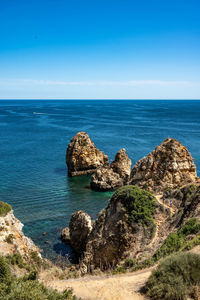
{"points": [[12, 239], [157, 199], [170, 165]]}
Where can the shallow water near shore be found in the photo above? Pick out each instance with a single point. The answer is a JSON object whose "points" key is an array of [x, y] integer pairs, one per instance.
{"points": [[34, 137]]}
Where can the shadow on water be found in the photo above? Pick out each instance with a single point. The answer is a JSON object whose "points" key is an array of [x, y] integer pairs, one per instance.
{"points": [[61, 171], [65, 252], [62, 249]]}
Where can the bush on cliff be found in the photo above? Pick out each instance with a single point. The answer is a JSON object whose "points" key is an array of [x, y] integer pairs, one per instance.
{"points": [[140, 204], [4, 208], [27, 287], [176, 278], [177, 241]]}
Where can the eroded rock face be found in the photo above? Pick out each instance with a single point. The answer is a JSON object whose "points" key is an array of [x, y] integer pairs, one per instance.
{"points": [[80, 227], [122, 165], [169, 165], [82, 156], [117, 232], [187, 202], [12, 239], [105, 179], [113, 177]]}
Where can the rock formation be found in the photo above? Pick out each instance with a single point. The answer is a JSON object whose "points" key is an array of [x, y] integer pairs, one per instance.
{"points": [[105, 179], [125, 226], [169, 165], [80, 227], [122, 165], [65, 235], [136, 224], [186, 200], [12, 239], [113, 177], [83, 157]]}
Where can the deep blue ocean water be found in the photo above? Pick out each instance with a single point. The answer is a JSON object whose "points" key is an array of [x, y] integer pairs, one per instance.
{"points": [[34, 137]]}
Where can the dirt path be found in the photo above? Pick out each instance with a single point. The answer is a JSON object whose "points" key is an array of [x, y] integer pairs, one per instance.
{"points": [[159, 219], [158, 197], [117, 287]]}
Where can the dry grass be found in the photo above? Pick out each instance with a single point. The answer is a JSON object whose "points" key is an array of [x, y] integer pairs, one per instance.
{"points": [[119, 287]]}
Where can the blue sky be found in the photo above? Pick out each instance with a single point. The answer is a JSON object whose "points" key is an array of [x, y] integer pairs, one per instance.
{"points": [[99, 49]]}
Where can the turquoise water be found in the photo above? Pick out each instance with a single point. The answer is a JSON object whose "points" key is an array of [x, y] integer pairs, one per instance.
{"points": [[34, 137]]}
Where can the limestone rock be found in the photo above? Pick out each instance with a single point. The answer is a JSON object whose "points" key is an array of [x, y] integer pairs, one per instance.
{"points": [[113, 177], [115, 233], [65, 235], [80, 227], [186, 200], [82, 156], [169, 165], [12, 239], [122, 165], [105, 179]]}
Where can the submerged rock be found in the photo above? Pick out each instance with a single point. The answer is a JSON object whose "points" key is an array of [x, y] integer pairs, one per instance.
{"points": [[113, 177], [169, 165], [80, 227], [83, 157]]}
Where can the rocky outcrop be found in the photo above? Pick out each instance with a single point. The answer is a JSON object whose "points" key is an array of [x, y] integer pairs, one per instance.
{"points": [[122, 165], [186, 200], [12, 239], [83, 157], [65, 235], [169, 165], [105, 179], [80, 227], [125, 226], [113, 177]]}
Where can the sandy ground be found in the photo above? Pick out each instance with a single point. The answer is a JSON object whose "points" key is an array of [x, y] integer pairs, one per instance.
{"points": [[118, 287]]}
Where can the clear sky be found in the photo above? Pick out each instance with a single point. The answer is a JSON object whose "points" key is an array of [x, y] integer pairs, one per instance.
{"points": [[136, 49]]}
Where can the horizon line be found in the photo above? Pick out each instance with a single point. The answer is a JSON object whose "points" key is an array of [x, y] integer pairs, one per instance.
{"points": [[101, 99]]}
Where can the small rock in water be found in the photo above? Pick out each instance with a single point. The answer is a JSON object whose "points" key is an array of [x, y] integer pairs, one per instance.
{"points": [[65, 235]]}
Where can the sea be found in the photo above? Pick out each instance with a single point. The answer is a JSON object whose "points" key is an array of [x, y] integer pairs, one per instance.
{"points": [[34, 135]]}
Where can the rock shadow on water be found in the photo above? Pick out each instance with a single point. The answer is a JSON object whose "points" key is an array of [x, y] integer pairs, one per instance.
{"points": [[65, 252], [61, 171]]}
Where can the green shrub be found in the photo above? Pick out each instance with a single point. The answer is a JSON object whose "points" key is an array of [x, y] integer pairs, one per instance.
{"points": [[191, 227], [27, 287], [143, 264], [175, 278], [119, 270], [36, 259], [140, 204], [4, 208], [16, 259], [5, 273], [191, 244], [177, 241], [9, 238], [172, 243], [33, 290], [129, 263]]}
